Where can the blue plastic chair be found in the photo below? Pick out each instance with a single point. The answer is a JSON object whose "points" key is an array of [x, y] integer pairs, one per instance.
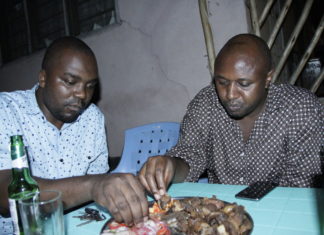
{"points": [[145, 141]]}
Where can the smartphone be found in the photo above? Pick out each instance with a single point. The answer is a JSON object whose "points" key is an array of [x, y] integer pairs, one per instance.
{"points": [[256, 190]]}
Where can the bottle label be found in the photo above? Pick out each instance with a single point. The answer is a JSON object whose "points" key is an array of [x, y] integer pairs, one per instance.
{"points": [[14, 215], [20, 162]]}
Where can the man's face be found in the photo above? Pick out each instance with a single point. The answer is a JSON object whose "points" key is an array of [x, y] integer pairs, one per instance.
{"points": [[68, 86], [241, 84]]}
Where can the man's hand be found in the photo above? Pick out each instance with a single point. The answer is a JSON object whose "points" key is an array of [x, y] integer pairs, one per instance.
{"points": [[124, 197], [157, 173]]}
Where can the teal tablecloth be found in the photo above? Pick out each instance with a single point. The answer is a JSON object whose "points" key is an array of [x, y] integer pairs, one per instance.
{"points": [[284, 211]]}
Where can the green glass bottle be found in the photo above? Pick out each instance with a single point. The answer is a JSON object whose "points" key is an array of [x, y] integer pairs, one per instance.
{"points": [[22, 183]]}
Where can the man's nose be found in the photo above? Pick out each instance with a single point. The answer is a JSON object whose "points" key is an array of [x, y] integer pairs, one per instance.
{"points": [[80, 92], [231, 92]]}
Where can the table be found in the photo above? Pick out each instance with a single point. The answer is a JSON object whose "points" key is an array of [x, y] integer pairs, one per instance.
{"points": [[284, 211]]}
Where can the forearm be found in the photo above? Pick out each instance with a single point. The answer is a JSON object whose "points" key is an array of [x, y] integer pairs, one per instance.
{"points": [[303, 152], [303, 170], [75, 190], [5, 178]]}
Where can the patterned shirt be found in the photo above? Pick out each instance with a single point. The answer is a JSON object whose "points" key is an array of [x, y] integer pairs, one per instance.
{"points": [[78, 148], [284, 144]]}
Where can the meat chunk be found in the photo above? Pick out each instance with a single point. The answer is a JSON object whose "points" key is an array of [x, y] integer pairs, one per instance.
{"points": [[198, 215]]}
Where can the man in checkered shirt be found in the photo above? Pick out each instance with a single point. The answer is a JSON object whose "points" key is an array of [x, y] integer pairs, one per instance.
{"points": [[242, 129]]}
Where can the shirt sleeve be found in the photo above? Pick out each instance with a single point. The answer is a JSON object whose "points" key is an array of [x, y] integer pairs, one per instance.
{"points": [[192, 143], [100, 164], [303, 163], [6, 122]]}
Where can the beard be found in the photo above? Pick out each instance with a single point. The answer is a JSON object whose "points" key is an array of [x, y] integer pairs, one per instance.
{"points": [[70, 112], [239, 110], [67, 117], [235, 109]]}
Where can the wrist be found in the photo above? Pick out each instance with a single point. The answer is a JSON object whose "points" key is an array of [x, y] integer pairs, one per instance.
{"points": [[91, 185]]}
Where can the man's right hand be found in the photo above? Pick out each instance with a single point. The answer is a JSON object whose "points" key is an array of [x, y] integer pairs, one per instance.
{"points": [[157, 173], [123, 195]]}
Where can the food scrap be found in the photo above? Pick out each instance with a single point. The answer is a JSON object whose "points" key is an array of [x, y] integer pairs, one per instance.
{"points": [[149, 227], [190, 216]]}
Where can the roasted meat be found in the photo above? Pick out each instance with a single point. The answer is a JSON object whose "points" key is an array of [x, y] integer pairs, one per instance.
{"points": [[197, 215]]}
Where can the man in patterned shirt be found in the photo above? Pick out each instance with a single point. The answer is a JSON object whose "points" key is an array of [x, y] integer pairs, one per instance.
{"points": [[243, 129], [65, 135]]}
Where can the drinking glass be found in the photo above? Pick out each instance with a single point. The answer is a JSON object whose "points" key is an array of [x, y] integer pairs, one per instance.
{"points": [[42, 213]]}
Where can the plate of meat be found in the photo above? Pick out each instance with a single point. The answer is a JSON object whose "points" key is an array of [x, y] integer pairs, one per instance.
{"points": [[188, 215]]}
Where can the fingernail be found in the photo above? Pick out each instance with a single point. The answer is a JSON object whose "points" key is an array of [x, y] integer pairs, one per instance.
{"points": [[161, 191], [157, 196]]}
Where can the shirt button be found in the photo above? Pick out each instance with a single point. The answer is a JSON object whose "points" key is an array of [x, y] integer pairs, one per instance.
{"points": [[241, 179], [242, 154]]}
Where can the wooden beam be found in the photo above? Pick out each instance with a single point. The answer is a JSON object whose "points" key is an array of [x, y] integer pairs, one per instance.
{"points": [[317, 82], [29, 33], [265, 12], [71, 17], [209, 41], [35, 42], [308, 52], [292, 39], [254, 16], [279, 22]]}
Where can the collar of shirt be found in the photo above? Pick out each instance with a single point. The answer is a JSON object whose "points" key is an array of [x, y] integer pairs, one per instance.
{"points": [[274, 99], [31, 107]]}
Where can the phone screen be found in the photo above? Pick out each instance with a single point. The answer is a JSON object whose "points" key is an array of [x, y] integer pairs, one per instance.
{"points": [[256, 190]]}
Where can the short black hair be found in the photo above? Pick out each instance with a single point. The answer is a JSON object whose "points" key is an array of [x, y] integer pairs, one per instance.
{"points": [[60, 44], [259, 42]]}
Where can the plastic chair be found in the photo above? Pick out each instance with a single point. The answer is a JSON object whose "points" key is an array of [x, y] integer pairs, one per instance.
{"points": [[145, 141], [203, 180]]}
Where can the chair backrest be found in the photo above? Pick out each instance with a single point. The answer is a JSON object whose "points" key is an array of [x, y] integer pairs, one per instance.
{"points": [[145, 141]]}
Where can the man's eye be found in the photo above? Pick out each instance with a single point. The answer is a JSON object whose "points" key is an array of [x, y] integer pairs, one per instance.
{"points": [[222, 82], [69, 82], [244, 84], [91, 85]]}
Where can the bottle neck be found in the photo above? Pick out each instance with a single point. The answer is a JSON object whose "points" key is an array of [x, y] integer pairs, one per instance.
{"points": [[20, 172], [20, 167], [19, 162]]}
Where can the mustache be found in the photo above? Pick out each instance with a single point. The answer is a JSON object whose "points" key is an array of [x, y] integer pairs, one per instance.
{"points": [[233, 103], [79, 103]]}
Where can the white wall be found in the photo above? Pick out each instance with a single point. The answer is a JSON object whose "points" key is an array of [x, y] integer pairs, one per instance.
{"points": [[151, 65]]}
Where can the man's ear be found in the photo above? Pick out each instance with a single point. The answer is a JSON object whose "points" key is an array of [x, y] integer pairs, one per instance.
{"points": [[42, 78], [269, 78]]}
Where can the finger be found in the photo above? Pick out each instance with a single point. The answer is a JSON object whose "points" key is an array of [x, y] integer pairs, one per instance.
{"points": [[160, 179], [120, 201], [169, 172], [167, 179], [106, 197], [132, 200], [141, 215], [142, 179], [113, 210], [150, 177]]}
